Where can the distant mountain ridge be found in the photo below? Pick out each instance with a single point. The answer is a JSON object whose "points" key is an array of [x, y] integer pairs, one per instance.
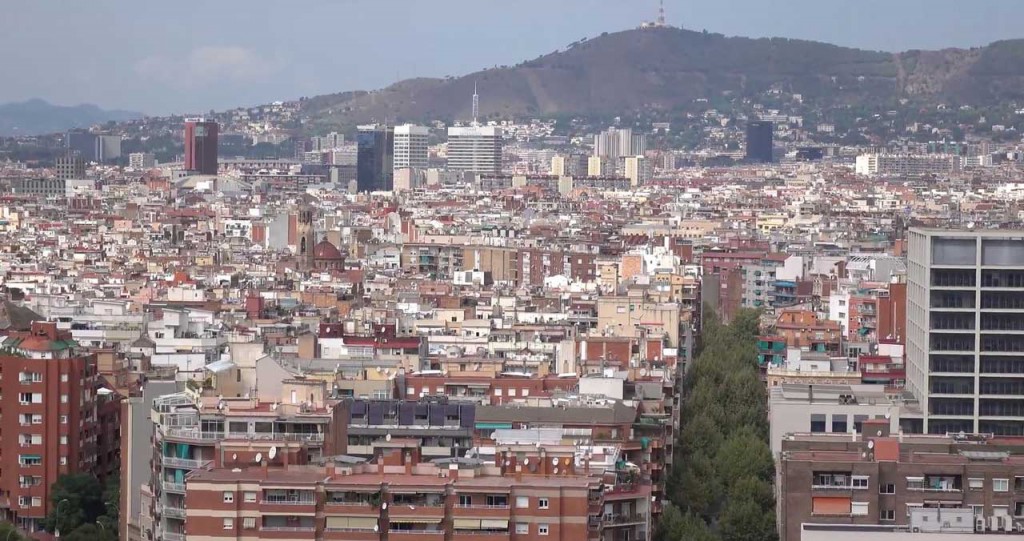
{"points": [[667, 69], [37, 117]]}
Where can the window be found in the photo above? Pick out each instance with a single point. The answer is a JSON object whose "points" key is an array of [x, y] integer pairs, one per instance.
{"points": [[887, 514], [63, 440], [249, 523], [229, 497], [975, 484], [37, 418], [542, 529], [522, 528], [249, 497], [817, 422], [512, 392], [542, 503], [63, 378], [858, 420], [859, 481], [63, 461], [229, 524], [63, 419], [25, 398], [1000, 485], [37, 501], [465, 500], [497, 392], [839, 423], [859, 509], [30, 460], [63, 399], [522, 502], [526, 392], [887, 488]]}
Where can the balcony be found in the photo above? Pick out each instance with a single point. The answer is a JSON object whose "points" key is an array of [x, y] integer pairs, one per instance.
{"points": [[398, 511], [185, 463], [178, 488], [480, 535], [292, 502], [615, 521], [935, 484], [172, 536], [350, 534], [415, 535], [191, 434], [172, 512], [481, 511]]}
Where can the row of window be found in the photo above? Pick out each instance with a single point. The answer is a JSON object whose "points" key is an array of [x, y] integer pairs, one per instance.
{"points": [[249, 523], [36, 460], [37, 419], [522, 502]]}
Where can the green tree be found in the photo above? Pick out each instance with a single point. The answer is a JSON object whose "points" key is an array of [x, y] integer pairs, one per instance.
{"points": [[743, 456], [90, 532], [743, 520], [693, 528], [75, 499], [8, 530]]}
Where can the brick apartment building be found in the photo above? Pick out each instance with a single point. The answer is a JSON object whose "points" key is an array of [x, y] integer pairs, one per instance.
{"points": [[532, 493], [50, 422], [875, 478]]}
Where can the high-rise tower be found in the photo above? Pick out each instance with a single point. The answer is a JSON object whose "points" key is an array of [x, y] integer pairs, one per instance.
{"points": [[201, 146]]}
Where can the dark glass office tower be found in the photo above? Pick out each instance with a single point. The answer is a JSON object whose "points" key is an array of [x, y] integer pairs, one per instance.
{"points": [[201, 146], [759, 141], [375, 158]]}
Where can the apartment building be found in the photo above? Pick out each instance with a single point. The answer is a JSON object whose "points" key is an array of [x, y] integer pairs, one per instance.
{"points": [[50, 422], [194, 431], [965, 329], [440, 428], [528, 492], [975, 482]]}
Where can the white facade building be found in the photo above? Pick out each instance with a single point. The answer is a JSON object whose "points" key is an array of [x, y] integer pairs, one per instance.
{"points": [[411, 147], [476, 149]]}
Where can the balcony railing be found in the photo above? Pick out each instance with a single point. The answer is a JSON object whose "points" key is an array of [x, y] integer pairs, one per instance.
{"points": [[188, 463], [172, 536], [838, 487], [417, 532], [481, 506], [289, 500], [173, 512], [288, 528], [614, 520], [173, 487]]}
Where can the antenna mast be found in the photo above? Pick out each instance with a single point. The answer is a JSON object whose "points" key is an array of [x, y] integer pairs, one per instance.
{"points": [[661, 13], [476, 105]]}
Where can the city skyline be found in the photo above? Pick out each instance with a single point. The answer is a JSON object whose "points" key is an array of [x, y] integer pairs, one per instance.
{"points": [[194, 65]]}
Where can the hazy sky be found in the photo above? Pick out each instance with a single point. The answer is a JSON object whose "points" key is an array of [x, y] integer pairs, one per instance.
{"points": [[188, 56]]}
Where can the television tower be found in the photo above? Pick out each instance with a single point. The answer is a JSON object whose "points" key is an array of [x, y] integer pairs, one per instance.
{"points": [[661, 14], [476, 105]]}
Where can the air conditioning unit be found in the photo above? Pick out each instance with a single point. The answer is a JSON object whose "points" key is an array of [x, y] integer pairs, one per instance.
{"points": [[993, 524], [979, 524], [1007, 523]]}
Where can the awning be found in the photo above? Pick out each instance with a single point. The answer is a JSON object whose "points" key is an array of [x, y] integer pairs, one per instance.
{"points": [[364, 523], [466, 524], [494, 523], [495, 426], [220, 366]]}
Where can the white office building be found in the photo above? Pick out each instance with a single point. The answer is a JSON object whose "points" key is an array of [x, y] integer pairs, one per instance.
{"points": [[141, 160], [906, 165], [411, 147], [965, 329], [475, 149]]}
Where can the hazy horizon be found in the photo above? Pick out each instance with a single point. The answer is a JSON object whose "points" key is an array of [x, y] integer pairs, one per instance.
{"points": [[190, 56]]}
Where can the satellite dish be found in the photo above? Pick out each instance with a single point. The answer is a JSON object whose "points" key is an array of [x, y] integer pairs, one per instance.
{"points": [[554, 461], [376, 528], [565, 461], [879, 433], [259, 458], [273, 407], [387, 437], [888, 415], [234, 456], [526, 461], [220, 405], [384, 505], [871, 444], [556, 471], [272, 453]]}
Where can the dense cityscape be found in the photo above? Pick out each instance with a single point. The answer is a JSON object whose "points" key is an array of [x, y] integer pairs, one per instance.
{"points": [[763, 315]]}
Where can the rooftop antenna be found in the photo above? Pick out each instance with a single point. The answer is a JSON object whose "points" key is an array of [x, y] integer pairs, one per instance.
{"points": [[476, 105], [661, 13]]}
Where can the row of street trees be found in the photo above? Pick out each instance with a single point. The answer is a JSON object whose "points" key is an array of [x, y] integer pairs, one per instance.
{"points": [[81, 508], [722, 486]]}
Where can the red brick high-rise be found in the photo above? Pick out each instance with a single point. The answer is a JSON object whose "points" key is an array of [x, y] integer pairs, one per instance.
{"points": [[201, 146], [49, 425]]}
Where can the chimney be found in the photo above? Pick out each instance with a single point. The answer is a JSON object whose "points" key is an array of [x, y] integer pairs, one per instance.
{"points": [[519, 472], [453, 472], [408, 463]]}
